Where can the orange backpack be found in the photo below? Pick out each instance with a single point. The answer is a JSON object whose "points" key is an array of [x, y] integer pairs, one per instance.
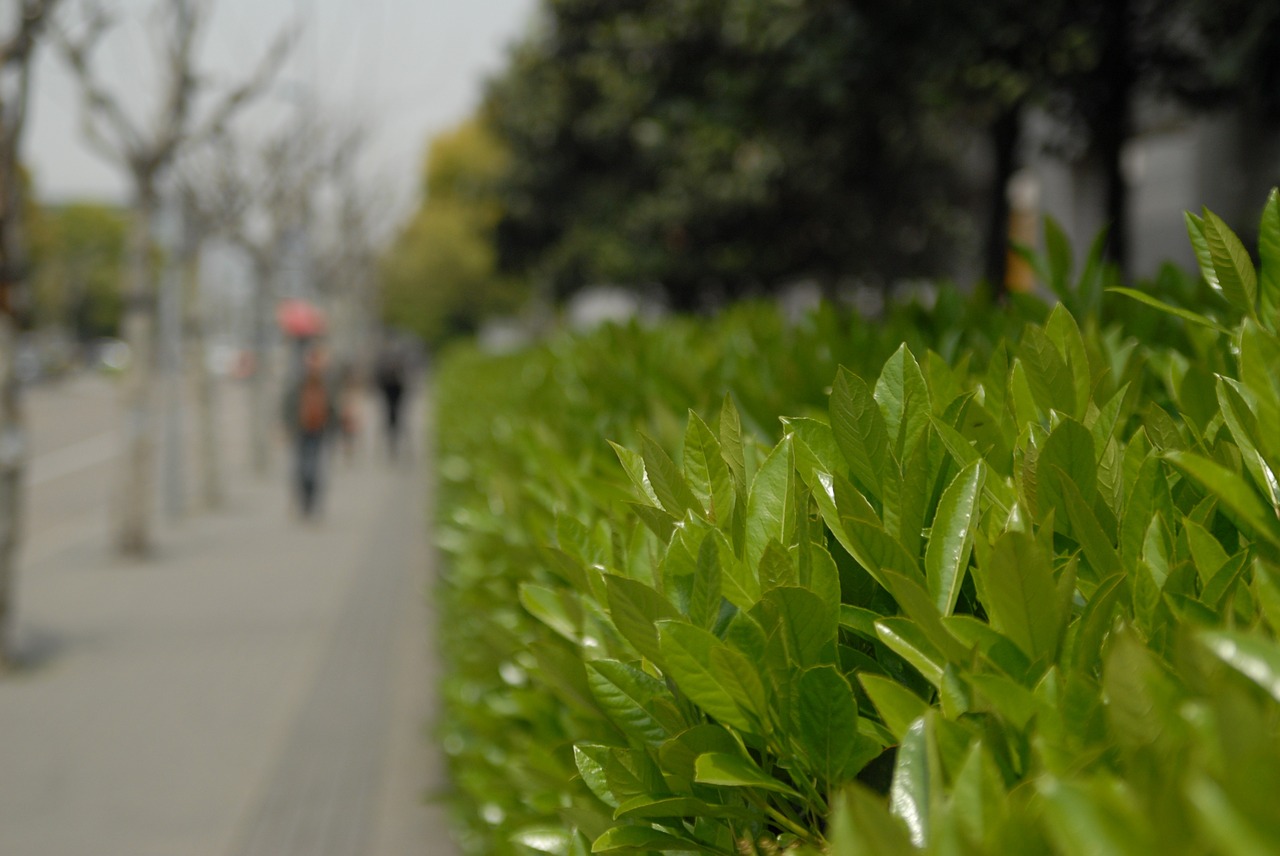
{"points": [[313, 406]]}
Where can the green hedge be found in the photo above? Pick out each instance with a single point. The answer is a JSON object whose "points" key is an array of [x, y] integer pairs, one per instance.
{"points": [[1002, 581]]}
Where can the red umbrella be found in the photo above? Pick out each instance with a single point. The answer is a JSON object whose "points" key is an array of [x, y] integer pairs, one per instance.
{"points": [[299, 318]]}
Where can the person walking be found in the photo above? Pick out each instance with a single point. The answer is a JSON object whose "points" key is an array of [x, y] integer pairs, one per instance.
{"points": [[310, 414], [390, 376]]}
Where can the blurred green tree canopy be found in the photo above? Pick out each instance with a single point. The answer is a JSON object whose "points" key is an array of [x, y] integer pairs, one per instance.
{"points": [[439, 277], [722, 147], [77, 251], [719, 148]]}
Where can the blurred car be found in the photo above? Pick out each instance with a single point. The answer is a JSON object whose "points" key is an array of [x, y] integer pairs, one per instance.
{"points": [[109, 355]]}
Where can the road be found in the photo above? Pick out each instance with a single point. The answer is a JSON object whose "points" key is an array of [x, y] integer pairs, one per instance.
{"points": [[260, 686]]}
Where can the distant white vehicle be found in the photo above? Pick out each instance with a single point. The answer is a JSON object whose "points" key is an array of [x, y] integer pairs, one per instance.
{"points": [[109, 354]]}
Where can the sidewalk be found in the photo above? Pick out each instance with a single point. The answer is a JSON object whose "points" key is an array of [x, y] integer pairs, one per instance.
{"points": [[262, 686]]}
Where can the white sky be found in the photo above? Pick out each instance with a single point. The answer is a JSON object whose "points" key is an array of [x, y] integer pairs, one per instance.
{"points": [[407, 69]]}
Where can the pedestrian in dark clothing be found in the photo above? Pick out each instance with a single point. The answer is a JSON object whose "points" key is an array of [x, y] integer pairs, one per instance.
{"points": [[390, 376], [310, 413]]}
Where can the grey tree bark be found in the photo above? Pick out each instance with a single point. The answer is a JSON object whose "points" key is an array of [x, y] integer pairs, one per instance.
{"points": [[22, 27], [200, 380], [147, 154]]}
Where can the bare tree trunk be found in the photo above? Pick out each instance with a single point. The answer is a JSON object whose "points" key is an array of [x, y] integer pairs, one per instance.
{"points": [[261, 410], [200, 381], [133, 524], [13, 453], [1004, 133]]}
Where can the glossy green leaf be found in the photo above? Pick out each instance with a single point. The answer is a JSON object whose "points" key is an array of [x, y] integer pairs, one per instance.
{"points": [[553, 608], [1253, 656], [643, 840], [897, 705], [734, 771], [1200, 245], [1021, 596], [1168, 309], [627, 696], [706, 471], [859, 429], [826, 723], [910, 795], [770, 505], [1050, 380], [860, 826], [1061, 329], [668, 484], [1237, 281], [686, 653], [1233, 492], [633, 465], [903, 397], [634, 608], [905, 639], [707, 594], [731, 441], [951, 538]]}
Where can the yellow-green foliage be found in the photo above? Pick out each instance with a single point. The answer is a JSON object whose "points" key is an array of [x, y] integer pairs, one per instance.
{"points": [[440, 277]]}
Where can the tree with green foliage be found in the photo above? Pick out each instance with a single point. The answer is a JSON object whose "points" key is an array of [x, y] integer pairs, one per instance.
{"points": [[78, 254], [440, 277], [719, 149]]}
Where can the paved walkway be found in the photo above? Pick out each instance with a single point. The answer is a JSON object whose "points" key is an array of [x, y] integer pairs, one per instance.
{"points": [[263, 686]]}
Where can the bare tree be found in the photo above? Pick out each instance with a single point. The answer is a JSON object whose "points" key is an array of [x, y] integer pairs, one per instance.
{"points": [[22, 26], [146, 152], [266, 197]]}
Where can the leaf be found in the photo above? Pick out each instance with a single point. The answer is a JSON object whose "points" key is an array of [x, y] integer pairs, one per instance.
{"points": [[1206, 552], [903, 397], [668, 484], [704, 601], [731, 441], [633, 464], [552, 609], [1233, 492], [544, 839], [741, 679], [1251, 655], [1178, 311], [1070, 448], [859, 429], [1269, 251], [1050, 380], [706, 470], [905, 639], [951, 538], [860, 826], [634, 607], [1020, 594], [734, 771], [826, 723], [804, 623], [686, 654], [648, 806], [1085, 527], [626, 695], [770, 505], [1237, 281], [1204, 258], [1062, 331], [643, 840], [818, 438], [909, 795], [590, 760], [898, 706]]}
